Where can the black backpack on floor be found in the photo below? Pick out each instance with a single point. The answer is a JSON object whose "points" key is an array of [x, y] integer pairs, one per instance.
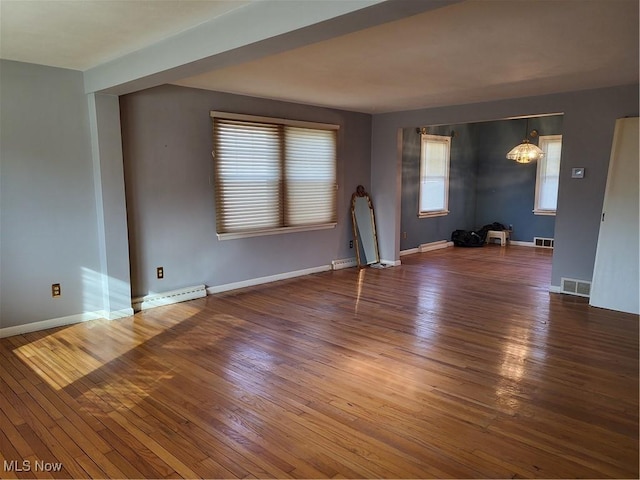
{"points": [[466, 238]]}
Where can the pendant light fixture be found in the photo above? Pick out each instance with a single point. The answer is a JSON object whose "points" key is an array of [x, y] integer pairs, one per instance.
{"points": [[526, 152]]}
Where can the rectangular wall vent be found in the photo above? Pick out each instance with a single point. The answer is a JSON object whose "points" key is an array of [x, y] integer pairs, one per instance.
{"points": [[576, 287], [543, 242]]}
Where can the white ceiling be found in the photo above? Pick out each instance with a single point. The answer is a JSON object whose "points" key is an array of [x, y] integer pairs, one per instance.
{"points": [[81, 34], [476, 50]]}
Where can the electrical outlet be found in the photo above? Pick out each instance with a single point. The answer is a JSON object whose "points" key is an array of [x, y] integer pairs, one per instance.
{"points": [[55, 290], [160, 272], [404, 235], [350, 243]]}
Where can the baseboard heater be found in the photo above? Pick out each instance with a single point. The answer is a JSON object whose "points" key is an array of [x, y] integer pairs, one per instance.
{"points": [[343, 263], [543, 242], [168, 298], [427, 247]]}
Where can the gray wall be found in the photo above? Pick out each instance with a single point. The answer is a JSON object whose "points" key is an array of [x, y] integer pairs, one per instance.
{"points": [[48, 214], [167, 143], [48, 221], [589, 119]]}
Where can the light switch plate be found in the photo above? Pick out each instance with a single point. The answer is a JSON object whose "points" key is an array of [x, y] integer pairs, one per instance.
{"points": [[577, 172]]}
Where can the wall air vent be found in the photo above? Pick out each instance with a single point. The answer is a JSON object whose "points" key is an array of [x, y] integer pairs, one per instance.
{"points": [[576, 287], [543, 242]]}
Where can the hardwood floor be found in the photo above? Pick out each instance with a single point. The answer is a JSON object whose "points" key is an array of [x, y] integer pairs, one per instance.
{"points": [[458, 363]]}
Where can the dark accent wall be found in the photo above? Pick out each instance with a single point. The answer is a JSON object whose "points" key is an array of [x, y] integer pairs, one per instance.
{"points": [[506, 189], [484, 187], [462, 187]]}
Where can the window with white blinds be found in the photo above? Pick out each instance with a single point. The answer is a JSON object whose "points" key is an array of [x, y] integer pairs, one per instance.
{"points": [[548, 175], [310, 176], [434, 175], [272, 175]]}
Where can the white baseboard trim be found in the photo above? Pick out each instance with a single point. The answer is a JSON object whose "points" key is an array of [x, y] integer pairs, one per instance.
{"points": [[410, 251], [168, 298], [62, 321], [391, 263], [344, 263], [51, 323], [117, 314], [427, 247], [555, 289], [271, 278], [521, 244]]}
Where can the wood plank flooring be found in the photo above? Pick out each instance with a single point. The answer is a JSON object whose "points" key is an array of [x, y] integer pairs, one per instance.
{"points": [[457, 364]]}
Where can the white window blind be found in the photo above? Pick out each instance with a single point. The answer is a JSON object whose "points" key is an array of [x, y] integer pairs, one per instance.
{"points": [[247, 175], [272, 176], [434, 175], [310, 181], [548, 175]]}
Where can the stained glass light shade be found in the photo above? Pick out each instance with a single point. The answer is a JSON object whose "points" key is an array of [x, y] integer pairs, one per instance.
{"points": [[525, 153]]}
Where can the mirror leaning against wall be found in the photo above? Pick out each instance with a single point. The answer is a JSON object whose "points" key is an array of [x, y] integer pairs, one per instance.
{"points": [[364, 228]]}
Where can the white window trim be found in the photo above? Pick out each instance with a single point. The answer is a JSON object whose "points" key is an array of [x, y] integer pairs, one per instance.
{"points": [[438, 213], [282, 121], [445, 210], [536, 210], [540, 211], [273, 231]]}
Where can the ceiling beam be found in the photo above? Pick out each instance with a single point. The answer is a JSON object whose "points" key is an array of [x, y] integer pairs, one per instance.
{"points": [[253, 31]]}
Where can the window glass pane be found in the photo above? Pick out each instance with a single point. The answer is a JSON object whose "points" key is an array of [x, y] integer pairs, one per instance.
{"points": [[433, 197], [548, 194], [434, 173], [548, 173]]}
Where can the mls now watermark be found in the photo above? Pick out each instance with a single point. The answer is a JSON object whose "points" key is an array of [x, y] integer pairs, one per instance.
{"points": [[29, 466]]}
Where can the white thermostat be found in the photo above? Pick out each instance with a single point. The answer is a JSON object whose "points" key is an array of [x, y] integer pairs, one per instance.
{"points": [[577, 172]]}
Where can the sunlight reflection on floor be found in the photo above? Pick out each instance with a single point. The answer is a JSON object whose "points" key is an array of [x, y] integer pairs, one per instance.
{"points": [[66, 355]]}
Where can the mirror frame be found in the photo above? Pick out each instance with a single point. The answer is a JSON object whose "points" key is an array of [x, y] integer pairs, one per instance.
{"points": [[361, 193]]}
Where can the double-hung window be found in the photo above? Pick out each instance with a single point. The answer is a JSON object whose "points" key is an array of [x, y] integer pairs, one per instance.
{"points": [[272, 175], [434, 175], [548, 175]]}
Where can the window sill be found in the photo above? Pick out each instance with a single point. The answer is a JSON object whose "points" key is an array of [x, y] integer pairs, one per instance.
{"points": [[440, 213], [544, 212], [274, 231]]}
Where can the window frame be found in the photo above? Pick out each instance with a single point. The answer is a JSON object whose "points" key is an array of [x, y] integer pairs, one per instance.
{"points": [[425, 138], [543, 141], [282, 122]]}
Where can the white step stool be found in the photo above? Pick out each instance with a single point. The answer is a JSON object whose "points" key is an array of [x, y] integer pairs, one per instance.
{"points": [[503, 235]]}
